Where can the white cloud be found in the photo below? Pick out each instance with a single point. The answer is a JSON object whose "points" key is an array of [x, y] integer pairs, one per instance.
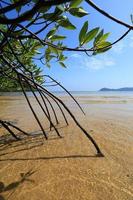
{"points": [[103, 60], [124, 44], [75, 55], [119, 47], [93, 63], [131, 41], [131, 44], [96, 63]]}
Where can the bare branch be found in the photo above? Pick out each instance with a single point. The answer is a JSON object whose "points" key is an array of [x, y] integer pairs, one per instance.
{"points": [[108, 15]]}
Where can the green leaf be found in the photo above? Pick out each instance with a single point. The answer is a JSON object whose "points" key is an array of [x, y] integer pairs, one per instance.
{"points": [[57, 37], [75, 3], [104, 46], [62, 64], [78, 12], [50, 16], [51, 33], [66, 24], [97, 38], [59, 10], [62, 57], [3, 27], [47, 51], [37, 52], [53, 50], [44, 9], [101, 38], [48, 65], [17, 8], [91, 35], [83, 32], [105, 36], [60, 7]]}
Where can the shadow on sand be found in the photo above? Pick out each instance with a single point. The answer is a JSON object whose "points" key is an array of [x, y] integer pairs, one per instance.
{"points": [[7, 143], [14, 185], [51, 158]]}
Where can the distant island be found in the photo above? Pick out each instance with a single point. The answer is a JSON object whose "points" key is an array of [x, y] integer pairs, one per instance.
{"points": [[119, 89]]}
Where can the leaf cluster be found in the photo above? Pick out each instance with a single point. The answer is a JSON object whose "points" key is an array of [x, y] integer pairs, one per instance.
{"points": [[42, 38]]}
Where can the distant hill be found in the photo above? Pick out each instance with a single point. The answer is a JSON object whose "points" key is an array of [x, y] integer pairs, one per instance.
{"points": [[119, 89]]}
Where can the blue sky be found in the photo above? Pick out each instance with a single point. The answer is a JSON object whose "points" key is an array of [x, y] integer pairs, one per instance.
{"points": [[112, 69]]}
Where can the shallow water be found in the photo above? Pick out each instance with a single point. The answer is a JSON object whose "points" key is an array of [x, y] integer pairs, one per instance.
{"points": [[105, 101], [106, 105]]}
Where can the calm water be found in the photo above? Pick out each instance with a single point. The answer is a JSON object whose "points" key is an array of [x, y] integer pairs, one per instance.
{"points": [[96, 97], [107, 105], [76, 93]]}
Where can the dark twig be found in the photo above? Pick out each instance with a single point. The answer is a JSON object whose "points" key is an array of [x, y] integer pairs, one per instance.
{"points": [[17, 128], [72, 116], [108, 15], [8, 129], [30, 13], [43, 42], [66, 92], [37, 119], [42, 107]]}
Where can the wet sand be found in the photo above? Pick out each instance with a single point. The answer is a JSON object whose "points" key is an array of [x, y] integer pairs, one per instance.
{"points": [[67, 168]]}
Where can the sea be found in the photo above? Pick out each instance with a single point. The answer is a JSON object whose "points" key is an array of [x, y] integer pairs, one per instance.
{"points": [[96, 104]]}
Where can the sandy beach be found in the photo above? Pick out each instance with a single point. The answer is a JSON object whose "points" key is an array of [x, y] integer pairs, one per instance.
{"points": [[67, 168]]}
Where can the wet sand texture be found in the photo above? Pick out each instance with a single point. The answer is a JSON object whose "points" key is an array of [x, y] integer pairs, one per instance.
{"points": [[67, 168]]}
